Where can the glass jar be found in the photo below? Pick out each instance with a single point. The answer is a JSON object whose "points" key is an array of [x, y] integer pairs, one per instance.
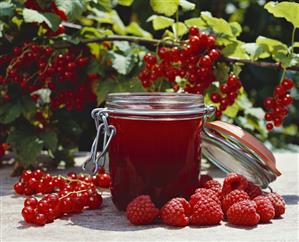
{"points": [[154, 142], [156, 146]]}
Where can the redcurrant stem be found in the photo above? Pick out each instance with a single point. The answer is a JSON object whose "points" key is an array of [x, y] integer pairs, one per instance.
{"points": [[74, 192]]}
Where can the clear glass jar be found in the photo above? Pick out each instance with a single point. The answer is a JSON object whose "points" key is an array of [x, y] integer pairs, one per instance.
{"points": [[156, 148]]}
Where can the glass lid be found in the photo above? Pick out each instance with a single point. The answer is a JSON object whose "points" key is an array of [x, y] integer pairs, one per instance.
{"points": [[234, 150]]}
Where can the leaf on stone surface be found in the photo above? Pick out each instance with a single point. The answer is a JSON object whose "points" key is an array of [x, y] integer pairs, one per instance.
{"points": [[179, 28], [9, 112], [256, 51], [6, 9], [186, 5], [73, 9], [198, 22], [273, 45], [160, 22], [49, 139], [126, 3], [219, 25], [33, 16], [286, 10], [134, 29], [166, 7]]}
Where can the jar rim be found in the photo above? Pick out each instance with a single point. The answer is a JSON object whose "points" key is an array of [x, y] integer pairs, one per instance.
{"points": [[155, 103]]}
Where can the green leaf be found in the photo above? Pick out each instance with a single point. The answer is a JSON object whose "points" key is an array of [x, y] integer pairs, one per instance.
{"points": [[28, 106], [6, 9], [179, 28], [27, 146], [256, 51], [286, 10], [122, 64], [273, 45], [104, 87], [259, 113], [160, 22], [219, 25], [126, 3], [235, 50], [198, 22], [134, 29], [236, 28], [73, 9], [287, 61], [232, 110], [290, 130], [187, 6], [49, 139], [167, 8], [10, 112], [94, 67], [296, 44], [33, 16]]}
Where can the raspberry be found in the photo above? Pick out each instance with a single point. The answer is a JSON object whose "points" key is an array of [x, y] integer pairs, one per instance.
{"points": [[200, 192], [278, 203], [176, 212], [206, 212], [142, 210], [232, 198], [253, 190], [203, 179], [243, 213], [215, 186], [234, 181], [264, 208]]}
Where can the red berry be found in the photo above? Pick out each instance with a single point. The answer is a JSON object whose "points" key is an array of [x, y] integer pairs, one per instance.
{"points": [[150, 59], [269, 126], [203, 180], [243, 213], [194, 43], [287, 100], [264, 208], [214, 54], [176, 212], [142, 210], [268, 116], [162, 52], [211, 42], [232, 80], [215, 186], [200, 192], [43, 206], [232, 198], [215, 97], [205, 61], [269, 103], [206, 212], [193, 30], [277, 121], [38, 174], [27, 174], [253, 190], [224, 88], [30, 202], [287, 84], [103, 180], [40, 219], [19, 188], [278, 203], [234, 181], [279, 91], [28, 214]]}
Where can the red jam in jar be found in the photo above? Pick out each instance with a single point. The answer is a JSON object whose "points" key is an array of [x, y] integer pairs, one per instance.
{"points": [[156, 148]]}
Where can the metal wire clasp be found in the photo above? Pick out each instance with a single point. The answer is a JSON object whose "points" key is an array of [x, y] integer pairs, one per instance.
{"points": [[100, 116]]}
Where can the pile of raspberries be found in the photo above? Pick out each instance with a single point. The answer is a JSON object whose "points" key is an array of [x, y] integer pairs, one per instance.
{"points": [[238, 201]]}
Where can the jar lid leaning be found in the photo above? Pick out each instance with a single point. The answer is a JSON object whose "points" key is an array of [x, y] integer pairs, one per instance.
{"points": [[234, 150]]}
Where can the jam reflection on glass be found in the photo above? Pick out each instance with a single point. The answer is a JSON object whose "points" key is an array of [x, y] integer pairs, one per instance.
{"points": [[158, 156]]}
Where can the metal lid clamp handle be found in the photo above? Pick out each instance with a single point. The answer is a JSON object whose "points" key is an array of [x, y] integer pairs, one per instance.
{"points": [[100, 116]]}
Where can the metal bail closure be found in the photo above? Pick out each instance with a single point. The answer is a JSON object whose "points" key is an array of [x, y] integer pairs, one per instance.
{"points": [[100, 116], [234, 150]]}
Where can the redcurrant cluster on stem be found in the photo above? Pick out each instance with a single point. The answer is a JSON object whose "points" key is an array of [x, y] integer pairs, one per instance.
{"points": [[228, 94], [193, 61], [50, 8], [277, 106], [35, 67], [61, 195]]}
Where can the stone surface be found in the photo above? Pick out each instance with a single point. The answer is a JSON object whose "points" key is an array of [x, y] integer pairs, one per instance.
{"points": [[107, 224]]}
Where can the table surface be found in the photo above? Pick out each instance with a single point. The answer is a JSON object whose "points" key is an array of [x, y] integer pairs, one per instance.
{"points": [[108, 224]]}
